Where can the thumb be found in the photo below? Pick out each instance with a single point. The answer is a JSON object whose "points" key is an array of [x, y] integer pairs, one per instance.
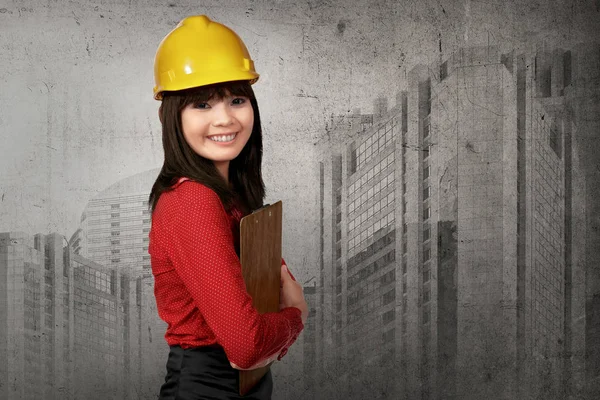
{"points": [[285, 274]]}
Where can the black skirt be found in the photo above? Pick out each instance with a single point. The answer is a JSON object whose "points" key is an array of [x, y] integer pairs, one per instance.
{"points": [[205, 373]]}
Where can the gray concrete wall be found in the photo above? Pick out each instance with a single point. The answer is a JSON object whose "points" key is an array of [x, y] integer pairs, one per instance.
{"points": [[77, 114]]}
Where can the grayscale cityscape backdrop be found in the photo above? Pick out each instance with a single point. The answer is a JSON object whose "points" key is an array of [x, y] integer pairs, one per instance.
{"points": [[439, 166]]}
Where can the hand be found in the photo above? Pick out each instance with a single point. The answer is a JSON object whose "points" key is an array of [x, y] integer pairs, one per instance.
{"points": [[260, 364], [292, 294]]}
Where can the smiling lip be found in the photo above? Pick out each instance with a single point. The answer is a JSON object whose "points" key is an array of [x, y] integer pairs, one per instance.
{"points": [[234, 134]]}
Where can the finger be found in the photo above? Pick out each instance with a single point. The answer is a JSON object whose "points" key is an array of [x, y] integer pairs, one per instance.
{"points": [[291, 276], [285, 275], [288, 272]]}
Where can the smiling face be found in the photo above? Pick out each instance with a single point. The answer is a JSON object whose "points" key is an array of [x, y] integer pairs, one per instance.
{"points": [[219, 128]]}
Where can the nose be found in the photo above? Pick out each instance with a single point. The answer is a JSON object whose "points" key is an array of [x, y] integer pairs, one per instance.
{"points": [[222, 114]]}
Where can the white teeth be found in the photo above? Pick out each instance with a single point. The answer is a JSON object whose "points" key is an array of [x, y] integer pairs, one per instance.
{"points": [[222, 138]]}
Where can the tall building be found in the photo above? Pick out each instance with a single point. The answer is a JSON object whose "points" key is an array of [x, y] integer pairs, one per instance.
{"points": [[114, 232], [295, 376], [581, 81], [115, 225], [452, 258], [69, 325], [30, 310], [309, 345], [106, 328], [356, 321]]}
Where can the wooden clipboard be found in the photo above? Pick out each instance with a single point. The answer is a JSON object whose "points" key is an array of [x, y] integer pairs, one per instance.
{"points": [[260, 256]]}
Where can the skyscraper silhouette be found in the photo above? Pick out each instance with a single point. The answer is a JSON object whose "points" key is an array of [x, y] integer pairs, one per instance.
{"points": [[452, 261]]}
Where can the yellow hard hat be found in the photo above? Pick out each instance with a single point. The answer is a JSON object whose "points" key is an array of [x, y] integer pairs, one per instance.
{"points": [[200, 52]]}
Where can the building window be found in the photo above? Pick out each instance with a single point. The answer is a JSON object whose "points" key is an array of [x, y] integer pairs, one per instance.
{"points": [[567, 68], [543, 76], [428, 96], [426, 295], [388, 316], [555, 140], [388, 336], [444, 70], [426, 192], [113, 282], [426, 252], [114, 206], [389, 238], [426, 127], [389, 257], [426, 234], [389, 296], [387, 278], [114, 215], [352, 165], [426, 275], [138, 292], [426, 213], [114, 224], [426, 151], [426, 172]]}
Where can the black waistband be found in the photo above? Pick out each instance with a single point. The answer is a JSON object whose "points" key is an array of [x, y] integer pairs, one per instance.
{"points": [[208, 347]]}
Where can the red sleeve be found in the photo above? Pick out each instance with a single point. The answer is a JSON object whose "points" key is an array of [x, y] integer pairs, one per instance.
{"points": [[294, 337], [204, 256]]}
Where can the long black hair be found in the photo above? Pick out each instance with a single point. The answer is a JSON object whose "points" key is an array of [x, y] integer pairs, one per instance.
{"points": [[246, 188]]}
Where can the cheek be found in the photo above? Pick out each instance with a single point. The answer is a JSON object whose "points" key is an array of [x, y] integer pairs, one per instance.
{"points": [[187, 133], [191, 126], [185, 124], [249, 120]]}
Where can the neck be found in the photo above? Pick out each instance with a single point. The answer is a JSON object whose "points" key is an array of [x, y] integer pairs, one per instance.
{"points": [[223, 168]]}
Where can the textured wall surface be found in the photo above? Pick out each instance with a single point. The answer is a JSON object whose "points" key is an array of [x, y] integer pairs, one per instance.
{"points": [[77, 114]]}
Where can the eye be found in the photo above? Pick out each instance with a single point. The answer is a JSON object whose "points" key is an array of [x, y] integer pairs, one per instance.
{"points": [[238, 101], [202, 106]]}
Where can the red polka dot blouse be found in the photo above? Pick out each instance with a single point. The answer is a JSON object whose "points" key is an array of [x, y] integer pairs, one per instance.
{"points": [[198, 284]]}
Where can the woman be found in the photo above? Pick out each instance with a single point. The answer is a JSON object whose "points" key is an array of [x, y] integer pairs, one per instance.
{"points": [[211, 177]]}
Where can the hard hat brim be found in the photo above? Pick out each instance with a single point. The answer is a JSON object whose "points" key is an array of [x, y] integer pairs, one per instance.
{"points": [[190, 83]]}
